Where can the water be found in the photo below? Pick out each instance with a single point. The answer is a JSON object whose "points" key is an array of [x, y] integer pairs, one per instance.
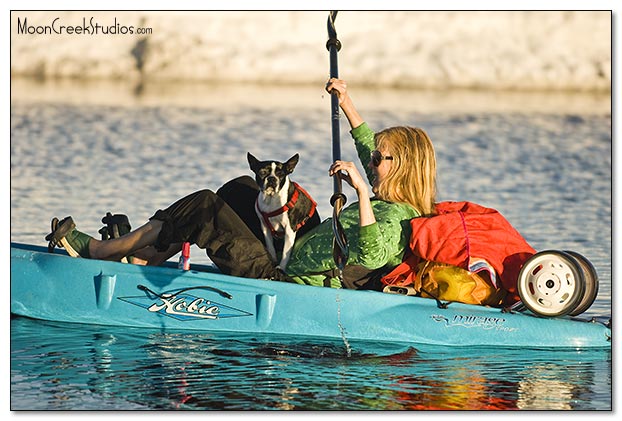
{"points": [[547, 169], [59, 367]]}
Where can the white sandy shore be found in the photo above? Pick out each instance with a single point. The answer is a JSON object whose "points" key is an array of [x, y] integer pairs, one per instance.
{"points": [[536, 50]]}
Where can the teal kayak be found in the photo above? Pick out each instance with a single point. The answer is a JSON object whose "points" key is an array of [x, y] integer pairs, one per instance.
{"points": [[60, 288]]}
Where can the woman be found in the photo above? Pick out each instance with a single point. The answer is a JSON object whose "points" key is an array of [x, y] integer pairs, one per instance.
{"points": [[401, 167]]}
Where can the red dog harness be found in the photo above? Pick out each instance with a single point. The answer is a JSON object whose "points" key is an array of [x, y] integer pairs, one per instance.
{"points": [[285, 208]]}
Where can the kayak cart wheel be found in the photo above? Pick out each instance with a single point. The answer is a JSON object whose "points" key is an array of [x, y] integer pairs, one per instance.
{"points": [[591, 283], [551, 283]]}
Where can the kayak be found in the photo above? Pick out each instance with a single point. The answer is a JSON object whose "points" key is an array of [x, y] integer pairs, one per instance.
{"points": [[56, 287]]}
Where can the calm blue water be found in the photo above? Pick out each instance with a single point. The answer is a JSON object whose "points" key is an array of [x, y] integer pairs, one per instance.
{"points": [[548, 172], [56, 366]]}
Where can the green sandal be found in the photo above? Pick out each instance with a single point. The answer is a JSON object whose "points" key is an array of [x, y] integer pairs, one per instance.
{"points": [[64, 234]]}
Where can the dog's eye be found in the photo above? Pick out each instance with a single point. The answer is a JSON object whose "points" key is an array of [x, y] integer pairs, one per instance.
{"points": [[264, 172]]}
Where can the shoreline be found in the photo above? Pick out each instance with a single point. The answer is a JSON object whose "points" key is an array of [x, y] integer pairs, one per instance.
{"points": [[303, 96]]}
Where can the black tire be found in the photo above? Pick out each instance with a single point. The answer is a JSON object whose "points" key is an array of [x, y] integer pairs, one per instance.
{"points": [[591, 283]]}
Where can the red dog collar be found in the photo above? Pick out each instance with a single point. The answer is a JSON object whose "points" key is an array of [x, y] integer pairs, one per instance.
{"points": [[285, 208]]}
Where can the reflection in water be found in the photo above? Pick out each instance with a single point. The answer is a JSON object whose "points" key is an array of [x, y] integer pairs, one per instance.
{"points": [[65, 366], [537, 389]]}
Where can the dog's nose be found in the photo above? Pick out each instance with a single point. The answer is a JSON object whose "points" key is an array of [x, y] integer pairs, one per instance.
{"points": [[272, 181]]}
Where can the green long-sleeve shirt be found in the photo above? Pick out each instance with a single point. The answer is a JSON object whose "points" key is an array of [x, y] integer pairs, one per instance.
{"points": [[372, 246]]}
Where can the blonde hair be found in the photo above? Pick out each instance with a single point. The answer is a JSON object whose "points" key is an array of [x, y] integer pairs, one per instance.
{"points": [[412, 177]]}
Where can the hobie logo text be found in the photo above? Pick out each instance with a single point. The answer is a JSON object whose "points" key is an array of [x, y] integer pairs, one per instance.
{"points": [[173, 305]]}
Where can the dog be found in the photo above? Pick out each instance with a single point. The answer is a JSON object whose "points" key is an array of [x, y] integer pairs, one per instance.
{"points": [[283, 207]]}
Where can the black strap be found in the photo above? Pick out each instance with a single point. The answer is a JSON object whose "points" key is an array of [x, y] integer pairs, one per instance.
{"points": [[439, 303], [357, 277]]}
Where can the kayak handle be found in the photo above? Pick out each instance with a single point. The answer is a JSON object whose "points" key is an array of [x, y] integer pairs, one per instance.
{"points": [[168, 294]]}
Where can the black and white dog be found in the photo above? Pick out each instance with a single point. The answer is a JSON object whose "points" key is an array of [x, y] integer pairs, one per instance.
{"points": [[283, 207]]}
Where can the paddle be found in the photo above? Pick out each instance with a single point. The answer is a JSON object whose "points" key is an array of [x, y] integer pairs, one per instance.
{"points": [[338, 199]]}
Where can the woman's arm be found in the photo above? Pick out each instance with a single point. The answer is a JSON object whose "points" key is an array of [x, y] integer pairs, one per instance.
{"points": [[363, 136]]}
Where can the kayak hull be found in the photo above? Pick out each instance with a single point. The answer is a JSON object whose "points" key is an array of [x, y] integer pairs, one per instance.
{"points": [[61, 288]]}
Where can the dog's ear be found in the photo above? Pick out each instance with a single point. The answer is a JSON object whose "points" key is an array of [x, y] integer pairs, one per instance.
{"points": [[291, 164], [252, 161]]}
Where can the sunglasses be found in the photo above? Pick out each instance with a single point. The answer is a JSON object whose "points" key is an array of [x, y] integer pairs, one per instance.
{"points": [[376, 158]]}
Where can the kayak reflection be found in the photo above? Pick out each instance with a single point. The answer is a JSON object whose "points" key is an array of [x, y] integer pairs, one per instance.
{"points": [[72, 366]]}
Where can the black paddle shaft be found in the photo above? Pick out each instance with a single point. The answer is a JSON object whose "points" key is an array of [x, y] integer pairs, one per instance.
{"points": [[338, 200], [333, 45]]}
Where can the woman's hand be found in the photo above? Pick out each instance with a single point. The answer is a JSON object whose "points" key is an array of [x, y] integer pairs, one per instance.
{"points": [[339, 86], [345, 102], [350, 174]]}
